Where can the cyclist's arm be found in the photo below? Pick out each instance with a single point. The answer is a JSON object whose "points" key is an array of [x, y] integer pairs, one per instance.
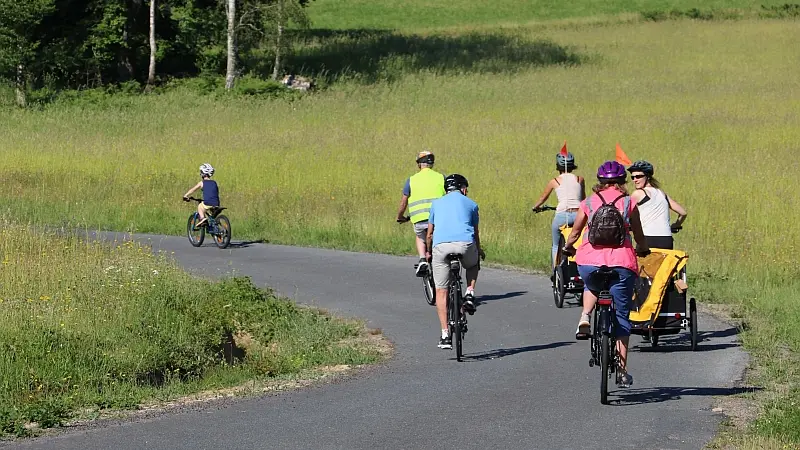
{"points": [[191, 191], [577, 229], [402, 209], [680, 210], [547, 190], [638, 234]]}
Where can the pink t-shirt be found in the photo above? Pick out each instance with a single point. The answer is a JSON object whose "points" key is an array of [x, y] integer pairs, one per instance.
{"points": [[590, 255]]}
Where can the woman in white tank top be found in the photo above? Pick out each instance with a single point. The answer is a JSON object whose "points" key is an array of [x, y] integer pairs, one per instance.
{"points": [[570, 190], [654, 207]]}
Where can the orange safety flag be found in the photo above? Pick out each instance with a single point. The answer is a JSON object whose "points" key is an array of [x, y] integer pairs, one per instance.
{"points": [[622, 158], [564, 149]]}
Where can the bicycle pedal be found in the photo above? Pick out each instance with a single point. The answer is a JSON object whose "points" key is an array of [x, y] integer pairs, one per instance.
{"points": [[582, 336]]}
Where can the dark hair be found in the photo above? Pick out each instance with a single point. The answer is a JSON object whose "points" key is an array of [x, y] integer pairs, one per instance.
{"points": [[653, 182], [603, 186], [570, 168]]}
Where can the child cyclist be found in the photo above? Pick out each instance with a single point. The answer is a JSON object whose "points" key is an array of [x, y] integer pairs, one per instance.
{"points": [[210, 192]]}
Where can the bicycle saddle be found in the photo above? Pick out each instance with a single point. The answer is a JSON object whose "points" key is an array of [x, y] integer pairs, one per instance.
{"points": [[454, 257]]}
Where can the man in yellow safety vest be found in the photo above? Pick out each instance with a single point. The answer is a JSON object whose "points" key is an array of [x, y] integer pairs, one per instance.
{"points": [[419, 191]]}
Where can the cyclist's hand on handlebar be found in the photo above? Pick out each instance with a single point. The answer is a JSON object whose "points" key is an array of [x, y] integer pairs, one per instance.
{"points": [[403, 219], [482, 254], [186, 199], [675, 228], [570, 250], [642, 251]]}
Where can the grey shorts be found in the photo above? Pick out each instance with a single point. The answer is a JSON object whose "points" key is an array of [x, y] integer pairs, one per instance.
{"points": [[441, 267], [421, 229]]}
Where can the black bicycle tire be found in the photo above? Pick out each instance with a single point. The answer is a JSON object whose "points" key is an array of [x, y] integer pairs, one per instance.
{"points": [[457, 319], [226, 239], [693, 324], [605, 354], [429, 289], [559, 289], [190, 227]]}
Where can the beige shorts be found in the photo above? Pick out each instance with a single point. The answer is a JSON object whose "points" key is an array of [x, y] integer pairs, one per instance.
{"points": [[421, 229], [441, 267]]}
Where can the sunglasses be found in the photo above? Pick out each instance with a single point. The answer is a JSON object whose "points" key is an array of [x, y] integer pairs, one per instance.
{"points": [[636, 177]]}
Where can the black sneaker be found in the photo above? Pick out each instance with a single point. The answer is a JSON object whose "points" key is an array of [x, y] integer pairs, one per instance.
{"points": [[469, 303], [446, 343], [422, 268]]}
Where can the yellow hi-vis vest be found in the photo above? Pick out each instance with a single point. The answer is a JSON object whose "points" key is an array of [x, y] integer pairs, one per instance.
{"points": [[426, 186]]}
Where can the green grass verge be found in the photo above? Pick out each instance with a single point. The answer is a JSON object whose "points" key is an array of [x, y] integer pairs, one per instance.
{"points": [[86, 326]]}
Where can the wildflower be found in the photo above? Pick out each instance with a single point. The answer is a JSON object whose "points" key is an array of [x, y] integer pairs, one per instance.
{"points": [[155, 272]]}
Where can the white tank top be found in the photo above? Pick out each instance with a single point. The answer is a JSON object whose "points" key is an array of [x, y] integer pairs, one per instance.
{"points": [[568, 192], [654, 213]]}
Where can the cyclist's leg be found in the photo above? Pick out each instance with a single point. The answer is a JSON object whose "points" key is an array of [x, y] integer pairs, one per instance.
{"points": [[201, 210], [589, 295], [555, 228], [421, 232], [622, 291], [471, 262], [441, 277]]}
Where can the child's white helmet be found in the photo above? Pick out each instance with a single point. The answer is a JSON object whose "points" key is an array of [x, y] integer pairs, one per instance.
{"points": [[206, 169]]}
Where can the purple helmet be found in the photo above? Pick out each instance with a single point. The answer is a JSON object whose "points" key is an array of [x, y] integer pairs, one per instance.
{"points": [[611, 172]]}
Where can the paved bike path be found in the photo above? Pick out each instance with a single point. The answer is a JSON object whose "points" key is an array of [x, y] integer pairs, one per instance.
{"points": [[526, 383]]}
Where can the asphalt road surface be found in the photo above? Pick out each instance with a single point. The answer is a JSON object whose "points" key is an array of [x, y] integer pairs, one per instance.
{"points": [[525, 384]]}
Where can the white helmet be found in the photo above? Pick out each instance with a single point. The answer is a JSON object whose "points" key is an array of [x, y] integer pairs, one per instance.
{"points": [[206, 169]]}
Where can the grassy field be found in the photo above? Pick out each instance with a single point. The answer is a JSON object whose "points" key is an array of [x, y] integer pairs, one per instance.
{"points": [[714, 105], [85, 327], [420, 14]]}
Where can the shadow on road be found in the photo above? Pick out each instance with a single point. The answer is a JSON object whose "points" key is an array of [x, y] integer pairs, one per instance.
{"points": [[493, 297], [629, 397], [503, 352], [245, 244], [681, 342]]}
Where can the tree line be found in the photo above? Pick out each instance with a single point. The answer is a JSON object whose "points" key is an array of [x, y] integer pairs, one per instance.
{"points": [[89, 43]]}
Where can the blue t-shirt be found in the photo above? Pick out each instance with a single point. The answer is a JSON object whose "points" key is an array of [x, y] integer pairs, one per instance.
{"points": [[210, 193], [454, 218], [407, 188]]}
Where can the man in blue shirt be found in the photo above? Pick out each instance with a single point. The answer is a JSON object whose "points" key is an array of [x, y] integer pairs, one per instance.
{"points": [[453, 228]]}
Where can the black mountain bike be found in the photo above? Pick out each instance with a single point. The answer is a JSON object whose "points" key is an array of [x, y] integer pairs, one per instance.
{"points": [[216, 224], [603, 345], [456, 318]]}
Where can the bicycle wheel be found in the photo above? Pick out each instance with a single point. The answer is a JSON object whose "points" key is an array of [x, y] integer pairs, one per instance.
{"points": [[693, 323], [559, 288], [428, 288], [193, 232], [605, 356], [457, 338], [223, 235]]}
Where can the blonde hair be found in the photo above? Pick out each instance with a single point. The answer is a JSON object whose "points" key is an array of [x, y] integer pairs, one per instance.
{"points": [[602, 187]]}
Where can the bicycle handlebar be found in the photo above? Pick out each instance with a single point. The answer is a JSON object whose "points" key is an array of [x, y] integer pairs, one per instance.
{"points": [[404, 219], [198, 200], [543, 208]]}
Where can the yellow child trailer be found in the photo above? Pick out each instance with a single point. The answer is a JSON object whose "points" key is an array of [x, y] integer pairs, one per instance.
{"points": [[660, 307]]}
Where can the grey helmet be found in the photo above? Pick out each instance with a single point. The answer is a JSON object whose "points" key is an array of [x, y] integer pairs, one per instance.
{"points": [[642, 166], [567, 161]]}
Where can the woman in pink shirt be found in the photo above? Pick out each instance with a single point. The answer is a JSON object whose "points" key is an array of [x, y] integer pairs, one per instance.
{"points": [[611, 177]]}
